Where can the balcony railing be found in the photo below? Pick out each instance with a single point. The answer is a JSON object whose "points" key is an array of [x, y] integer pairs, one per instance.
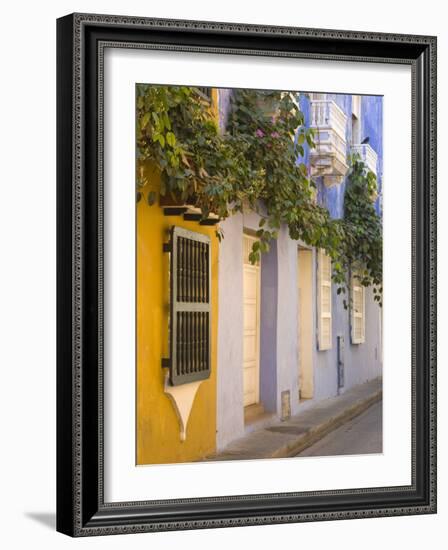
{"points": [[326, 113], [329, 157], [367, 155], [370, 159]]}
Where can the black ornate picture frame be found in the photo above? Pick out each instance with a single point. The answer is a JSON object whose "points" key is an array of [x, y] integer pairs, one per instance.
{"points": [[81, 509]]}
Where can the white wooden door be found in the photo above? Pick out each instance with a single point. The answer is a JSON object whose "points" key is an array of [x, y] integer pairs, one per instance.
{"points": [[251, 327]]}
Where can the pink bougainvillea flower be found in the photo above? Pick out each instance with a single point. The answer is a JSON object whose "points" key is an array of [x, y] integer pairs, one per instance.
{"points": [[275, 135], [259, 133]]}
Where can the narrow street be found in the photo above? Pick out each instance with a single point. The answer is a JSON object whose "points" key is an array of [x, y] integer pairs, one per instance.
{"points": [[362, 435]]}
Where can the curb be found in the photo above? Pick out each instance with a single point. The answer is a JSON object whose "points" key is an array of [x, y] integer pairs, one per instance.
{"points": [[316, 433]]}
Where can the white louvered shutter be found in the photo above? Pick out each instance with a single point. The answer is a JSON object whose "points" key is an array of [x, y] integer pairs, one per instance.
{"points": [[358, 308], [324, 340]]}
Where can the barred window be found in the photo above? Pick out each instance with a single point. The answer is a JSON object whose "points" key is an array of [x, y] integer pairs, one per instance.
{"points": [[205, 92], [189, 330]]}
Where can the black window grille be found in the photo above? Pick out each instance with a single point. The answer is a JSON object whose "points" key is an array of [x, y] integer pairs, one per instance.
{"points": [[189, 325], [205, 92]]}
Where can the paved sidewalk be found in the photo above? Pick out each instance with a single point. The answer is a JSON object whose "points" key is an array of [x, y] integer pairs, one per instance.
{"points": [[284, 439]]}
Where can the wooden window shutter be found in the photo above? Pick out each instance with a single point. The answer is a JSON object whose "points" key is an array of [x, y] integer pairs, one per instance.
{"points": [[358, 307], [324, 333], [189, 325]]}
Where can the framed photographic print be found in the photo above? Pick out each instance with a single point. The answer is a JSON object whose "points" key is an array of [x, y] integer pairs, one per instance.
{"points": [[246, 274]]}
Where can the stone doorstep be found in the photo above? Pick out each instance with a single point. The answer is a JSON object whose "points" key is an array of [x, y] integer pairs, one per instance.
{"points": [[285, 439]]}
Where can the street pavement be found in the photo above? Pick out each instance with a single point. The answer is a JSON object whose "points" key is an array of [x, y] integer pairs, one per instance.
{"points": [[280, 439], [361, 435]]}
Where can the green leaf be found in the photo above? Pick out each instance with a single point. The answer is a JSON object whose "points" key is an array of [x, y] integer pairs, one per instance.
{"points": [[152, 196], [303, 169], [160, 138], [145, 120], [167, 121], [310, 141], [171, 139]]}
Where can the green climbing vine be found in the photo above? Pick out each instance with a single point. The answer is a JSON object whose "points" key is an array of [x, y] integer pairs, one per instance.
{"points": [[177, 130], [270, 127], [361, 251], [253, 164]]}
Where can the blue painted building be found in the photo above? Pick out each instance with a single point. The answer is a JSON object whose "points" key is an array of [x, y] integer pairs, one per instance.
{"points": [[284, 337]]}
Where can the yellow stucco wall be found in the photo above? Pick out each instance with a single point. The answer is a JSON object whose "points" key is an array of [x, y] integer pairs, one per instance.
{"points": [[158, 439]]}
